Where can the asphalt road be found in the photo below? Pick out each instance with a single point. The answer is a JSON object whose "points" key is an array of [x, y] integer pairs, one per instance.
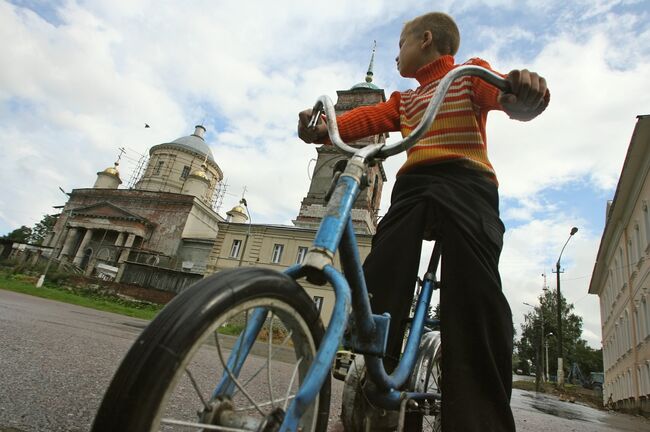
{"points": [[56, 361]]}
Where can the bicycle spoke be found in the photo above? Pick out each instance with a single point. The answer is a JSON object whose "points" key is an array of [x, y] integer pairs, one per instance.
{"points": [[293, 377], [284, 342], [196, 389], [232, 376], [264, 404], [268, 361], [200, 425]]}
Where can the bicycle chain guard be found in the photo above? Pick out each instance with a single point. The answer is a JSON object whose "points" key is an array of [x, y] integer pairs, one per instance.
{"points": [[376, 346]]}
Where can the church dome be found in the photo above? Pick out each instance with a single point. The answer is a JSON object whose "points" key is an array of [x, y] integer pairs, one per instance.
{"points": [[195, 142], [365, 85], [238, 214], [200, 173], [112, 171]]}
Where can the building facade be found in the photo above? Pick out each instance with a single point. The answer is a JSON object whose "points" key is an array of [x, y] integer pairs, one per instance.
{"points": [[621, 279], [166, 220], [276, 247]]}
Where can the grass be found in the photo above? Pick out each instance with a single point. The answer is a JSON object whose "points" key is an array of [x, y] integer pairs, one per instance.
{"points": [[86, 298], [12, 279]]}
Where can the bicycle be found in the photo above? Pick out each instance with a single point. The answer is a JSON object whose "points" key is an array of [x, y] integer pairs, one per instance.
{"points": [[183, 347]]}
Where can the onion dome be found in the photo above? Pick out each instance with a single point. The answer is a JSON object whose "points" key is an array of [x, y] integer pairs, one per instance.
{"points": [[112, 170]]}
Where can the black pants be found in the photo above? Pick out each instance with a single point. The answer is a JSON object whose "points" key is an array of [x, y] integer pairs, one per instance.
{"points": [[460, 208]]}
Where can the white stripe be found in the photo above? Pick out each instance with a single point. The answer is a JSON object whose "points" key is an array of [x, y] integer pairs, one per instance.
{"points": [[410, 109]]}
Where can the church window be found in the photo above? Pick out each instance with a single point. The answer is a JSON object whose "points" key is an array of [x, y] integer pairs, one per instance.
{"points": [[186, 172], [158, 167], [319, 303], [302, 252], [277, 253], [234, 250]]}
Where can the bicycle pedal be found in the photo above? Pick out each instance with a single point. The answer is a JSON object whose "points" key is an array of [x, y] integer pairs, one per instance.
{"points": [[342, 363]]}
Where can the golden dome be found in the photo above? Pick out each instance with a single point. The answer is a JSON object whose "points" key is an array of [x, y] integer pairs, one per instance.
{"points": [[200, 173], [238, 209], [112, 171]]}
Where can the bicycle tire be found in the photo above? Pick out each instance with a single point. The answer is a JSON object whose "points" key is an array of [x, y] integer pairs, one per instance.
{"points": [[427, 378], [151, 370], [357, 413]]}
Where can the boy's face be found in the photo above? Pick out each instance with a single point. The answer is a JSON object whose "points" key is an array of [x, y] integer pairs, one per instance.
{"points": [[410, 54]]}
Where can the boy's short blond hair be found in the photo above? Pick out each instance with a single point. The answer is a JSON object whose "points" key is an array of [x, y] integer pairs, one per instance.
{"points": [[443, 28]]}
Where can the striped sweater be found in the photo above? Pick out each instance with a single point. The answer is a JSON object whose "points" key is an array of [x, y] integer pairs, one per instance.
{"points": [[458, 132]]}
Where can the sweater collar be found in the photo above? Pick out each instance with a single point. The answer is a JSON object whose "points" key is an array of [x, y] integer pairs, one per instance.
{"points": [[434, 70]]}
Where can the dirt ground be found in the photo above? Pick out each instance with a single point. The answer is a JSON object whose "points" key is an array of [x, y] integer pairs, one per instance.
{"points": [[570, 393]]}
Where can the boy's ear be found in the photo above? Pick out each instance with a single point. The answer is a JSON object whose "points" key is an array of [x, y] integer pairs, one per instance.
{"points": [[426, 39]]}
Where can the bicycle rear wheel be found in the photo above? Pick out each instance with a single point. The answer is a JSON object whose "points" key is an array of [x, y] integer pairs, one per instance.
{"points": [[173, 376], [426, 378]]}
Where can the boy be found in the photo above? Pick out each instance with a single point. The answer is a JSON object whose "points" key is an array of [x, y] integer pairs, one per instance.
{"points": [[446, 190]]}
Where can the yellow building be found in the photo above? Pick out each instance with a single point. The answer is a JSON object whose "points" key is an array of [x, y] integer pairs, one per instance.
{"points": [[277, 247], [621, 279]]}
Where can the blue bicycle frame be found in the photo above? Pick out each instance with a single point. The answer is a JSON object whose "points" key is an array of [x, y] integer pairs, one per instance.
{"points": [[369, 335]]}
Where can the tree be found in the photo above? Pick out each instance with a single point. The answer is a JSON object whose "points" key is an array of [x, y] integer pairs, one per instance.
{"points": [[20, 235], [42, 228], [589, 359], [529, 346]]}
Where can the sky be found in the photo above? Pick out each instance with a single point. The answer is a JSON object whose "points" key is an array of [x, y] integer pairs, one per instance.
{"points": [[79, 79]]}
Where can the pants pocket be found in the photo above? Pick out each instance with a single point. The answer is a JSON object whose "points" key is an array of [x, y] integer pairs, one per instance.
{"points": [[494, 230]]}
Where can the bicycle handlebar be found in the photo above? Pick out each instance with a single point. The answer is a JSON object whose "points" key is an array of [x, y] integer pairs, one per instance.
{"points": [[324, 104]]}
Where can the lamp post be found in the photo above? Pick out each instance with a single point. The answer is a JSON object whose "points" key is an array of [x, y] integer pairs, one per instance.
{"points": [[560, 366], [546, 346], [541, 342]]}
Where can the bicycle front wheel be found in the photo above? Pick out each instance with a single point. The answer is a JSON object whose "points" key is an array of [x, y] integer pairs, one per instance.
{"points": [[177, 375]]}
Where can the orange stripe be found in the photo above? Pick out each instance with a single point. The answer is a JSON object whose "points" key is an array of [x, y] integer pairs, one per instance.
{"points": [[414, 109]]}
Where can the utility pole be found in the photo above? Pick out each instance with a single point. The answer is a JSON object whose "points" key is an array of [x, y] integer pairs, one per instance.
{"points": [[560, 366]]}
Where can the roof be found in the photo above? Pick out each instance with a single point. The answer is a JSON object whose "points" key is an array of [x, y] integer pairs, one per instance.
{"points": [[635, 168], [364, 85], [194, 142]]}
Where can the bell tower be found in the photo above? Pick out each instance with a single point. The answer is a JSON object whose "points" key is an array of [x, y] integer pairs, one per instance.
{"points": [[366, 207]]}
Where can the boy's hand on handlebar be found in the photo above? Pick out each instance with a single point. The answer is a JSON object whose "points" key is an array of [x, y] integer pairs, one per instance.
{"points": [[308, 134], [528, 96]]}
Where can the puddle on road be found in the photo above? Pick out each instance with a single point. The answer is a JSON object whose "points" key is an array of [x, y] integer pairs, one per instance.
{"points": [[134, 325], [556, 411], [565, 410]]}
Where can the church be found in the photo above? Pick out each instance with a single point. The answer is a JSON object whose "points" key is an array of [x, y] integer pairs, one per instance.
{"points": [[165, 233]]}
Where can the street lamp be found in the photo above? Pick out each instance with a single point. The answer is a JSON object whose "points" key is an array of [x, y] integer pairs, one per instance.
{"points": [[541, 342], [546, 346], [560, 368]]}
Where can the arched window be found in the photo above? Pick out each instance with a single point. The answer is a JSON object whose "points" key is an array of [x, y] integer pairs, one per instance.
{"points": [[646, 221], [628, 335], [646, 313], [621, 267], [637, 327]]}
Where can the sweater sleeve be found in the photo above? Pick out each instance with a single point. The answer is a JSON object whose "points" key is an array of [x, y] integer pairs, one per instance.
{"points": [[485, 95], [370, 120]]}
